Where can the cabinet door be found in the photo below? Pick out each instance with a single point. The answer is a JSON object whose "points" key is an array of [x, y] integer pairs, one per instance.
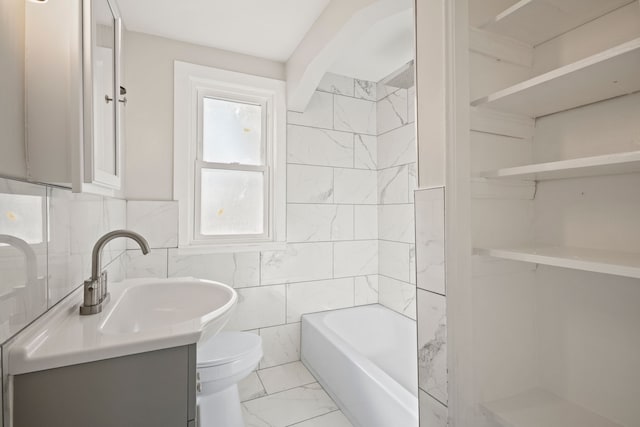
{"points": [[102, 29], [150, 389]]}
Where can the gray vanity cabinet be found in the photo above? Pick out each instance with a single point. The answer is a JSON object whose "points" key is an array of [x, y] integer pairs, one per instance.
{"points": [[153, 389]]}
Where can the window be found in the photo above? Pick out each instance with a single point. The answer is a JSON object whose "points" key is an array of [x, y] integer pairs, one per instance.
{"points": [[229, 164]]}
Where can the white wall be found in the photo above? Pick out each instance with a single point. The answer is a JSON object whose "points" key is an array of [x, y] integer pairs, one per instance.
{"points": [[148, 65], [12, 153]]}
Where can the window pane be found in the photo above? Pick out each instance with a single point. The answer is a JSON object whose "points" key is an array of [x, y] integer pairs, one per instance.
{"points": [[231, 203], [231, 132]]}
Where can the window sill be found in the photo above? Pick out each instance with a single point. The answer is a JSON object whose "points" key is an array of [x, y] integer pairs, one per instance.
{"points": [[231, 247]]}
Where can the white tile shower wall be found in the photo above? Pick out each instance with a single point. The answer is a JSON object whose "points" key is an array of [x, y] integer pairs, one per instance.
{"points": [[432, 345], [331, 257], [396, 181], [430, 239], [431, 309]]}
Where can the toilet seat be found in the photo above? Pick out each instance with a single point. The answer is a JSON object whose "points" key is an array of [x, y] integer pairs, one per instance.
{"points": [[228, 347]]}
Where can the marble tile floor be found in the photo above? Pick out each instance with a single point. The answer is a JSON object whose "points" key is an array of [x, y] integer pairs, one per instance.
{"points": [[288, 395]]}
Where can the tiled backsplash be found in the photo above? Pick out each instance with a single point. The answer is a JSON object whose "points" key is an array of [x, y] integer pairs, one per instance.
{"points": [[47, 235]]}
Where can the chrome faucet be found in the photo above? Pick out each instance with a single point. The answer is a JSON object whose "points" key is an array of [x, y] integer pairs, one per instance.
{"points": [[95, 288]]}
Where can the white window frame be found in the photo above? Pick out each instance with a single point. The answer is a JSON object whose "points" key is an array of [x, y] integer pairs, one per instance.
{"points": [[191, 84]]}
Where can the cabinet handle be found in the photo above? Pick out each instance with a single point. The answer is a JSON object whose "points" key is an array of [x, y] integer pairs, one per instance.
{"points": [[107, 99], [123, 100]]}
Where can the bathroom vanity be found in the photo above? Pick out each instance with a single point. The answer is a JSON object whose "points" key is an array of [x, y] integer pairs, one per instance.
{"points": [[133, 364]]}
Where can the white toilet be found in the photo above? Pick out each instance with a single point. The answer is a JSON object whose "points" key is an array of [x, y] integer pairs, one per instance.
{"points": [[224, 360]]}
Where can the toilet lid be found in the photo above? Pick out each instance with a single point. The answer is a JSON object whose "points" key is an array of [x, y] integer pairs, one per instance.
{"points": [[228, 347]]}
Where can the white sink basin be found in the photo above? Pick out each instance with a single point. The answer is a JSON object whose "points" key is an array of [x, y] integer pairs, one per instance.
{"points": [[166, 304], [143, 315]]}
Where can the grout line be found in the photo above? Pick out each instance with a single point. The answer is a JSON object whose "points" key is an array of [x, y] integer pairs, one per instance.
{"points": [[315, 381], [281, 365], [282, 391], [317, 416], [261, 383], [347, 204], [398, 280], [434, 398], [395, 241], [404, 125], [400, 165], [302, 281], [348, 96], [331, 129], [431, 292]]}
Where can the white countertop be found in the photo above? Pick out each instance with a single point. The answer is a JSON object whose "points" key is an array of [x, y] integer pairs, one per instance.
{"points": [[62, 337]]}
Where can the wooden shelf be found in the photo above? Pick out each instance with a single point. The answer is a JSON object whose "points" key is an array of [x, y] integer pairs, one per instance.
{"points": [[538, 408], [534, 21], [608, 164], [598, 261], [605, 75]]}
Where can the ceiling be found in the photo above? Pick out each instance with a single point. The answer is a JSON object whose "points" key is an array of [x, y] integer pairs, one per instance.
{"points": [[382, 49], [270, 29]]}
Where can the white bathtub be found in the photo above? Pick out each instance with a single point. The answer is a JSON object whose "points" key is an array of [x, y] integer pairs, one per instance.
{"points": [[366, 359]]}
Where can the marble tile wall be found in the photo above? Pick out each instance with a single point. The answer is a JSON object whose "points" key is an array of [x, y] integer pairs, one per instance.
{"points": [[47, 234], [396, 182], [431, 307]]}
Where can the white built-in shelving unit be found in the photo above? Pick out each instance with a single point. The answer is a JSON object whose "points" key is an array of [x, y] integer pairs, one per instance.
{"points": [[554, 212], [534, 21], [594, 260], [608, 74], [604, 75], [607, 164]]}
